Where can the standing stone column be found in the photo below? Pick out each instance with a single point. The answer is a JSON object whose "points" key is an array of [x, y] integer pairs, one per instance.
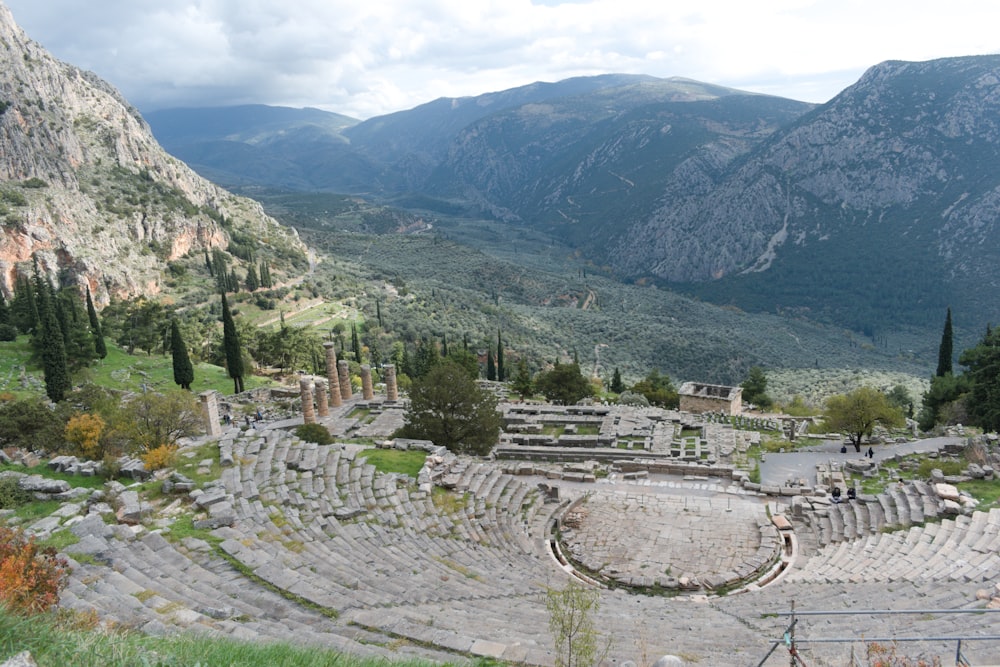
{"points": [[210, 403], [306, 392], [322, 407], [331, 374], [366, 382], [345, 380], [391, 391]]}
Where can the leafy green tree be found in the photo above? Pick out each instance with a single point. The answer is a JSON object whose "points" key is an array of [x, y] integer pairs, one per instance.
{"points": [[899, 397], [183, 368], [571, 622], [982, 364], [31, 423], [448, 408], [522, 383], [658, 390], [616, 386], [857, 413], [945, 350], [425, 359], [100, 347], [231, 345], [152, 419], [464, 359], [563, 384], [755, 388]]}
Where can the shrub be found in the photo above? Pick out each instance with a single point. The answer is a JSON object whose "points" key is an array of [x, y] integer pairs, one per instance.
{"points": [[8, 332], [160, 457], [12, 495], [314, 433], [84, 432], [30, 577]]}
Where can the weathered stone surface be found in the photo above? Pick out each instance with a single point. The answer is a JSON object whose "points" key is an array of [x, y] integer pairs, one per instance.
{"points": [[22, 659], [39, 484]]}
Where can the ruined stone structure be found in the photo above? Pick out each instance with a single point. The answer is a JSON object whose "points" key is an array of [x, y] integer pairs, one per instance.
{"points": [[332, 378], [306, 391], [210, 404], [697, 398], [391, 391], [322, 405], [366, 383], [344, 369]]}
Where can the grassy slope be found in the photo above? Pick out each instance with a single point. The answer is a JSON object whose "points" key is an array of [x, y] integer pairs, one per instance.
{"points": [[118, 370]]}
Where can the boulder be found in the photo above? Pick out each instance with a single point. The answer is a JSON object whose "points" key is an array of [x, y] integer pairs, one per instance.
{"points": [[946, 491], [39, 484]]}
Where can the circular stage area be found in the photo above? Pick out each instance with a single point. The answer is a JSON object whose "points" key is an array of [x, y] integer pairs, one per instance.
{"points": [[679, 543]]}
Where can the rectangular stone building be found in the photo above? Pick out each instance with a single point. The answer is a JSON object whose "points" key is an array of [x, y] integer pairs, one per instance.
{"points": [[697, 397]]}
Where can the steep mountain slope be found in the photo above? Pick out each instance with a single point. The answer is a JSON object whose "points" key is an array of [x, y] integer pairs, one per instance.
{"points": [[85, 186], [882, 204], [580, 166]]}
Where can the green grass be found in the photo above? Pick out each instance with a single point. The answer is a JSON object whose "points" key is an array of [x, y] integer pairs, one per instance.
{"points": [[15, 356], [44, 471], [987, 492], [408, 462], [119, 370], [57, 641]]}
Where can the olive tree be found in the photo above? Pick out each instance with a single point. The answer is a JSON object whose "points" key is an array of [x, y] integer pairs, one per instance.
{"points": [[857, 413]]}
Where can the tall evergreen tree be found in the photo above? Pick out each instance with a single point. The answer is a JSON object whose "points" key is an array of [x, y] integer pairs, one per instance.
{"points": [[252, 282], [183, 369], [53, 351], [208, 264], [4, 310], [95, 328], [378, 313], [231, 346], [501, 374], [23, 308], [491, 367], [945, 351], [355, 342], [617, 386], [444, 345]]}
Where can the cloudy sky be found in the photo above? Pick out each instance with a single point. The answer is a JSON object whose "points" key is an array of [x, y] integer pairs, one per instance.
{"points": [[368, 57]]}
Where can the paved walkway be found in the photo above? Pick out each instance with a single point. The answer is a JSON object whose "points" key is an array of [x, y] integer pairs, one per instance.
{"points": [[776, 469]]}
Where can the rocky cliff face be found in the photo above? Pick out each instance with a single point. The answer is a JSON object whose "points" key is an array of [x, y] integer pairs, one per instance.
{"points": [[85, 186], [911, 149]]}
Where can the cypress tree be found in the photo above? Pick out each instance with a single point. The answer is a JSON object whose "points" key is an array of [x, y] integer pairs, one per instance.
{"points": [[95, 328], [208, 264], [378, 313], [501, 375], [183, 369], [491, 368], [53, 349], [231, 345], [617, 386], [252, 281], [233, 284], [945, 351], [4, 310], [355, 343], [444, 345]]}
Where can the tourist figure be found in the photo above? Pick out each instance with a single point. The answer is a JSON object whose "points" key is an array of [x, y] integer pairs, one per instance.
{"points": [[248, 421], [843, 449], [259, 415], [871, 453], [851, 493], [836, 494]]}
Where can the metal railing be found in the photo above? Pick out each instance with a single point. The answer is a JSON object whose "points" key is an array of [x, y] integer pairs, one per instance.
{"points": [[792, 642]]}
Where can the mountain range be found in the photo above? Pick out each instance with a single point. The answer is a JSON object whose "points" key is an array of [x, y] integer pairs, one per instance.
{"points": [[874, 210]]}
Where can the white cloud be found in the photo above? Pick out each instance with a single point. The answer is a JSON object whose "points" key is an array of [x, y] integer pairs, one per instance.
{"points": [[374, 57]]}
